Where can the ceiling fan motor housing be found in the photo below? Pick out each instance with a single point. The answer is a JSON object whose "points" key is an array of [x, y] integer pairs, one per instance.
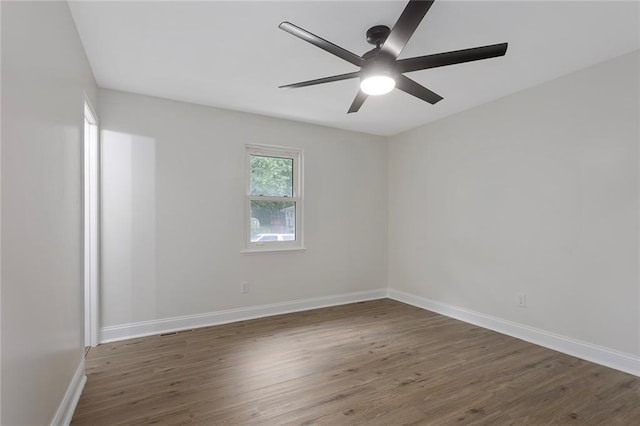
{"points": [[380, 64], [378, 74]]}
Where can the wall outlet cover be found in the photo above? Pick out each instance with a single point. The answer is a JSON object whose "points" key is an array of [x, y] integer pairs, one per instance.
{"points": [[522, 300]]}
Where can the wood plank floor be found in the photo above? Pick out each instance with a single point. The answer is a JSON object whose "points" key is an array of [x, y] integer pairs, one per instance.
{"points": [[380, 363]]}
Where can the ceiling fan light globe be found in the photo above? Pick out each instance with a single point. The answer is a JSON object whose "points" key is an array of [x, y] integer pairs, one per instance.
{"points": [[377, 85]]}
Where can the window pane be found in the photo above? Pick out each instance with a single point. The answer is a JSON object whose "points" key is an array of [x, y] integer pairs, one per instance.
{"points": [[273, 221], [271, 176]]}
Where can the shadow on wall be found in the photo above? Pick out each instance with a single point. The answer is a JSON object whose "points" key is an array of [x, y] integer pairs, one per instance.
{"points": [[128, 219]]}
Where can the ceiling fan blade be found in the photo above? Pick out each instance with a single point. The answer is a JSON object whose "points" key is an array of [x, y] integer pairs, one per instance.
{"points": [[321, 80], [409, 86], [451, 58], [357, 102], [405, 26], [322, 43]]}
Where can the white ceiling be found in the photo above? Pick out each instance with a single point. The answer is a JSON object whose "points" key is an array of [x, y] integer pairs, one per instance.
{"points": [[232, 54]]}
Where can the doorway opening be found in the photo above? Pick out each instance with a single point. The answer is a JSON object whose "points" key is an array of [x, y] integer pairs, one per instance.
{"points": [[91, 230]]}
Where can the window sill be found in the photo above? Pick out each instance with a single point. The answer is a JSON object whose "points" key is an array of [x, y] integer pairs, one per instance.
{"points": [[273, 250]]}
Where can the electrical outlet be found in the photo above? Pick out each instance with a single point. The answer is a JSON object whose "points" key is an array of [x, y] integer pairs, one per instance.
{"points": [[522, 300], [245, 287]]}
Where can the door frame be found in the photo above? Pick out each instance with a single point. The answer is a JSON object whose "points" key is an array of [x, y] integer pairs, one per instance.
{"points": [[91, 225]]}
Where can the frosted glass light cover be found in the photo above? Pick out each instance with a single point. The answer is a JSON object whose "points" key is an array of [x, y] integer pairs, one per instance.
{"points": [[377, 85]]}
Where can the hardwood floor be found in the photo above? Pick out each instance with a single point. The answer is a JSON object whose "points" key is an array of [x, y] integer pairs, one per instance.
{"points": [[380, 362]]}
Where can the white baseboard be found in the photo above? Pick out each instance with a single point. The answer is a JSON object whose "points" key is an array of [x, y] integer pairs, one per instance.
{"points": [[598, 354], [71, 397], [187, 322]]}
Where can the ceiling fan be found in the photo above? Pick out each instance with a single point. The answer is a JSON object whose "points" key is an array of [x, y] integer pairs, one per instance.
{"points": [[380, 68]]}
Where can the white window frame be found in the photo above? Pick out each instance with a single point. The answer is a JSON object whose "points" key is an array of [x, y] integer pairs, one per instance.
{"points": [[280, 152]]}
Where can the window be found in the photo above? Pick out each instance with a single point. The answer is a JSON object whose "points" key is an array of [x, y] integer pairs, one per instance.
{"points": [[273, 199]]}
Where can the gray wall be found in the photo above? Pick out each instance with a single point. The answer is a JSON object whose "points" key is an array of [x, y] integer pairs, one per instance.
{"points": [[534, 193], [173, 218], [44, 76]]}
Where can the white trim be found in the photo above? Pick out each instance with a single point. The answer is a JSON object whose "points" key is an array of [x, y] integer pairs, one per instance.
{"points": [[71, 397], [187, 322], [273, 250], [626, 362], [272, 150], [91, 231], [1, 364]]}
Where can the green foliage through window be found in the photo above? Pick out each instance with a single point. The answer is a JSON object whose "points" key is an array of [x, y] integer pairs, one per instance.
{"points": [[271, 176]]}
